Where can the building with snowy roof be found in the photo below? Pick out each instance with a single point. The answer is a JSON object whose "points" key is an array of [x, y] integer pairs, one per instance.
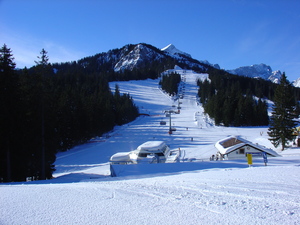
{"points": [[235, 147]]}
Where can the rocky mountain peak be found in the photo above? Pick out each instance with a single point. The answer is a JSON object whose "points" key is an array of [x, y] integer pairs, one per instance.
{"points": [[258, 71], [135, 57], [172, 50]]}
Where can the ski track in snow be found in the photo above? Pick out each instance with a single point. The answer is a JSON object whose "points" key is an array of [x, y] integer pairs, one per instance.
{"points": [[205, 193]]}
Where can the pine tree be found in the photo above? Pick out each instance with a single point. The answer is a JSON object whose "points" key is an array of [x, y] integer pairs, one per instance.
{"points": [[7, 101], [41, 65], [47, 154], [283, 114]]}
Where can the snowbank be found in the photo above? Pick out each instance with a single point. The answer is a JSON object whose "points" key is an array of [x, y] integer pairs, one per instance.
{"points": [[197, 192]]}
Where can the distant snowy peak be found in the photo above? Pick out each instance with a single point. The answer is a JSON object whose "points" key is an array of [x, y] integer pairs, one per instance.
{"points": [[296, 83], [275, 77], [208, 63], [172, 50], [258, 71]]}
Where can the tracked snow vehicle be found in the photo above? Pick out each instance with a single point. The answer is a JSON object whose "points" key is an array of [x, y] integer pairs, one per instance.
{"points": [[148, 152]]}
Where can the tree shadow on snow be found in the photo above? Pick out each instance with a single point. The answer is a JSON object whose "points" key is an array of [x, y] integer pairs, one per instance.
{"points": [[68, 178]]}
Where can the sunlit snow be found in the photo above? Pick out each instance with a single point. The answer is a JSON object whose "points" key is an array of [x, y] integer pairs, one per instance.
{"points": [[194, 191]]}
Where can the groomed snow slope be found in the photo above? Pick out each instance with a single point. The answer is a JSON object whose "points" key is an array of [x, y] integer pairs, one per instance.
{"points": [[205, 192]]}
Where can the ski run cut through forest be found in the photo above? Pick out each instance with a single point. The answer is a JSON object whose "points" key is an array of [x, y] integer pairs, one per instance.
{"points": [[194, 190]]}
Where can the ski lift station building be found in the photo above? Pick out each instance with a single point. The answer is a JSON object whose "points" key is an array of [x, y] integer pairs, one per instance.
{"points": [[235, 147]]}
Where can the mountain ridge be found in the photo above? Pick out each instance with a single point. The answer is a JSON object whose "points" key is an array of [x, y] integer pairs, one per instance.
{"points": [[171, 49], [258, 71], [136, 56]]}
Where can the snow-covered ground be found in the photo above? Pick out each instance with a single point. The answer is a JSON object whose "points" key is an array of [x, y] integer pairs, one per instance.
{"points": [[194, 191]]}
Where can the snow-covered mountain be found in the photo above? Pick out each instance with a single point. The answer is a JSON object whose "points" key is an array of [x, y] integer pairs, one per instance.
{"points": [[137, 56], [141, 56], [258, 71], [296, 83], [146, 57], [212, 65], [172, 50]]}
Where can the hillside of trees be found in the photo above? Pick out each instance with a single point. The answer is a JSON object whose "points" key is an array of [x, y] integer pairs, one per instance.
{"points": [[149, 66], [44, 112], [229, 99], [52, 107], [169, 83], [103, 64]]}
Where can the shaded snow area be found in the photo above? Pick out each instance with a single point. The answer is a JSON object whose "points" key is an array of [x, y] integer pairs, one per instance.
{"points": [[193, 191]]}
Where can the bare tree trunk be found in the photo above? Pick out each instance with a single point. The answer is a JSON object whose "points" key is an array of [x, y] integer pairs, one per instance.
{"points": [[8, 162]]}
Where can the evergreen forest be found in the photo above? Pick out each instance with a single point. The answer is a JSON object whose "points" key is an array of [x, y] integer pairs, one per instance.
{"points": [[234, 100], [44, 111], [169, 83], [103, 64], [53, 107]]}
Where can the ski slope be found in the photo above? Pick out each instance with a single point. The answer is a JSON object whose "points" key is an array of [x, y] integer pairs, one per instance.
{"points": [[194, 191]]}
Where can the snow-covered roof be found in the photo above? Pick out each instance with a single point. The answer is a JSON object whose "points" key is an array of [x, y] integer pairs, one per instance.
{"points": [[152, 145], [120, 157], [232, 143]]}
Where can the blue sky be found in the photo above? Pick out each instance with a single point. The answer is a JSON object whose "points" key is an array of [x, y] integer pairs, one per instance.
{"points": [[232, 33]]}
